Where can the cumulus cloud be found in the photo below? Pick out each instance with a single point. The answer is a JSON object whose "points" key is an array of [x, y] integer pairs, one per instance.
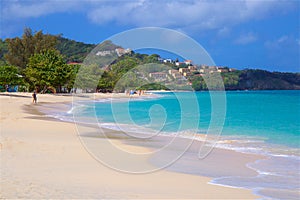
{"points": [[177, 14], [246, 39], [282, 42], [17, 10], [223, 32], [174, 14]]}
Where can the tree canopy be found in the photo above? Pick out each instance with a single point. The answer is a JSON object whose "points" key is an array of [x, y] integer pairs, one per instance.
{"points": [[21, 49], [9, 75], [48, 69]]}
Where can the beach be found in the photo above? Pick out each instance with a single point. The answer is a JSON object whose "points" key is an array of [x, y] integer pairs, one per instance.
{"points": [[42, 157]]}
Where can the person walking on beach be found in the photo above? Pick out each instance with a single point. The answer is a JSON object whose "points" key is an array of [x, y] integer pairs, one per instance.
{"points": [[34, 97]]}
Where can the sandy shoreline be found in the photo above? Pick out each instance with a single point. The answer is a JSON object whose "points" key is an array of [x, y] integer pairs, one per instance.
{"points": [[44, 158]]}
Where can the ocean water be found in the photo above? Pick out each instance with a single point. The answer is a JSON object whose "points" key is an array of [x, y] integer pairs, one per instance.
{"points": [[256, 122]]}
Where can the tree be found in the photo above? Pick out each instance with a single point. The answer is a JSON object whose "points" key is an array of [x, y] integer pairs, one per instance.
{"points": [[9, 75], [198, 84], [72, 76], [88, 77], [21, 49], [48, 69], [3, 50], [152, 59], [106, 82]]}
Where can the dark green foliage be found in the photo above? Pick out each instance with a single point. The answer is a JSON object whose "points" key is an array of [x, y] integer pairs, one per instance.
{"points": [[48, 70], [106, 82], [198, 83], [153, 86], [123, 74], [110, 78], [21, 49], [264, 80], [10, 75], [254, 79], [72, 50], [231, 79], [87, 77], [152, 59], [3, 51]]}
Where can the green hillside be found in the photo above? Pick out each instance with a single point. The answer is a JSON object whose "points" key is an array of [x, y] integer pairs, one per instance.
{"points": [[73, 51], [19, 51]]}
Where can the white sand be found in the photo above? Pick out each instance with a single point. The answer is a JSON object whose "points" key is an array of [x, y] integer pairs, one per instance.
{"points": [[43, 158]]}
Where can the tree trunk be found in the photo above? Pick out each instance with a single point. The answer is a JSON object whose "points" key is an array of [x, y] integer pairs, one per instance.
{"points": [[44, 89]]}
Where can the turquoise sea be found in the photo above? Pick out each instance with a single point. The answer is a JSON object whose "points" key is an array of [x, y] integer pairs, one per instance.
{"points": [[256, 122]]}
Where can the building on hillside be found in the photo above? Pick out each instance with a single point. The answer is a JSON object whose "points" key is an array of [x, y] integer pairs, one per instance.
{"points": [[192, 68], [177, 75], [203, 67], [104, 53], [223, 69], [201, 71], [182, 70], [179, 63], [168, 60], [160, 59], [171, 71], [188, 62], [185, 74], [121, 51], [161, 76]]}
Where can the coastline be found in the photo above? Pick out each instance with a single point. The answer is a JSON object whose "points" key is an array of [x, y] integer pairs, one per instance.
{"points": [[44, 158]]}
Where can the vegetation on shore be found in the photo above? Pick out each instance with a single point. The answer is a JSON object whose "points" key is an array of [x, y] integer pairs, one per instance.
{"points": [[50, 63]]}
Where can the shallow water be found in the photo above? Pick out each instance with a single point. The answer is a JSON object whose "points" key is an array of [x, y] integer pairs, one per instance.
{"points": [[256, 122]]}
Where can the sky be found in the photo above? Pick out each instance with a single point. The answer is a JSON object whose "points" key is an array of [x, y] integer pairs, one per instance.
{"points": [[262, 34]]}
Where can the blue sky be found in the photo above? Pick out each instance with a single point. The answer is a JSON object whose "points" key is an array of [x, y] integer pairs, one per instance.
{"points": [[241, 34]]}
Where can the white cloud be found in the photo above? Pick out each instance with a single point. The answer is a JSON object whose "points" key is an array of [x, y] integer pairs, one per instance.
{"points": [[224, 32], [16, 10], [284, 51], [200, 15], [282, 39], [281, 42], [246, 39], [14, 13]]}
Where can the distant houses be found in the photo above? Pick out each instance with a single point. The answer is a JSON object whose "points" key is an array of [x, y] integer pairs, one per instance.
{"points": [[121, 51], [185, 69], [180, 71], [168, 60], [118, 51], [175, 74], [159, 76], [179, 63], [104, 53], [188, 62]]}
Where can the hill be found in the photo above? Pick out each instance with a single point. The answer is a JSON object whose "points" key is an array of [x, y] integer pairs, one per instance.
{"points": [[256, 79], [72, 50], [247, 79]]}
